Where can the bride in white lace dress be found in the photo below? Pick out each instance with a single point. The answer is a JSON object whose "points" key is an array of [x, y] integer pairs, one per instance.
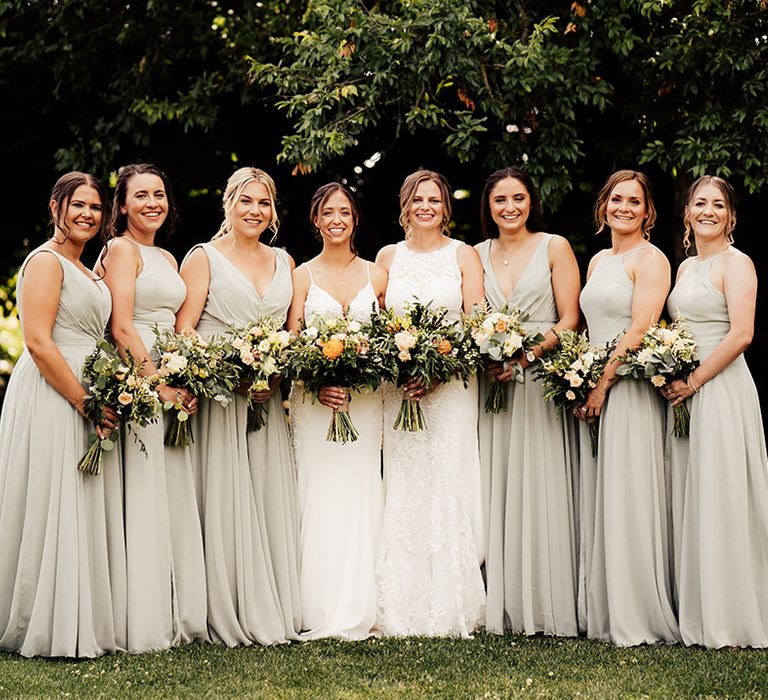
{"points": [[428, 566], [339, 485]]}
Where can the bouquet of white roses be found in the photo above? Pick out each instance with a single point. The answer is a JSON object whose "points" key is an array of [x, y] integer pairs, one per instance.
{"points": [[336, 352], [117, 383], [260, 352], [500, 336], [421, 344], [188, 361], [665, 353], [570, 371]]}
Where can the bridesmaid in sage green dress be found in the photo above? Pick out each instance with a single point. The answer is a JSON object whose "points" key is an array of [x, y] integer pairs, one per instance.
{"points": [[246, 482], [164, 544], [720, 472], [62, 554], [525, 451], [628, 582]]}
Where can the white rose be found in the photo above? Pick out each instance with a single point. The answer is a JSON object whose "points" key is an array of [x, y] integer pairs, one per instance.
{"points": [[353, 327], [174, 363], [512, 344], [404, 341], [263, 346], [573, 379], [658, 380], [570, 395], [310, 332], [404, 356], [645, 356], [269, 366]]}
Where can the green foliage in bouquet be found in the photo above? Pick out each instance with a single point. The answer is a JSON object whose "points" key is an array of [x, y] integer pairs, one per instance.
{"points": [[115, 382]]}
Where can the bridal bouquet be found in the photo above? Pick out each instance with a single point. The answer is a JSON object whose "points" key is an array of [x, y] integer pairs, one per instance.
{"points": [[500, 336], [570, 371], [188, 361], [421, 344], [259, 352], [665, 353], [336, 352], [117, 383]]}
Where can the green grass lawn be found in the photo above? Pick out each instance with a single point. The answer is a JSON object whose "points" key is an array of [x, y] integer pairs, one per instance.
{"points": [[485, 667]]}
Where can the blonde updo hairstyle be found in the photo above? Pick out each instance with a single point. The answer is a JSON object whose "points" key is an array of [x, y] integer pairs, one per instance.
{"points": [[730, 204], [408, 191], [235, 186], [601, 205]]}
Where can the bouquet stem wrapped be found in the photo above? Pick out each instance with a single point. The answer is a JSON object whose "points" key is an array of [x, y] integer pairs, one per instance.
{"points": [[665, 353], [117, 383], [341, 428]]}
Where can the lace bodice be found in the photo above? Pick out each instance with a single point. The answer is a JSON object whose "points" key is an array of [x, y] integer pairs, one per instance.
{"points": [[424, 277], [321, 303]]}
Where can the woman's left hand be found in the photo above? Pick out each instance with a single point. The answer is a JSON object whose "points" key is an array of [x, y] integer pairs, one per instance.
{"points": [[264, 396], [677, 391], [415, 388]]}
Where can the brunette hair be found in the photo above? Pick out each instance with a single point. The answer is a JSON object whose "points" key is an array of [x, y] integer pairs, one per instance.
{"points": [[62, 194], [535, 218], [235, 186], [605, 193], [322, 195], [729, 195], [119, 221], [408, 191]]}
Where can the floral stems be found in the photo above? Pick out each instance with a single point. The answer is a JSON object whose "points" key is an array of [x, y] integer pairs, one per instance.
{"points": [[496, 398], [179, 433], [93, 459], [410, 417], [682, 425], [594, 433], [257, 416], [341, 428]]}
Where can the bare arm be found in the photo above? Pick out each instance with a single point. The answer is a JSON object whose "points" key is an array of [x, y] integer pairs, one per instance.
{"points": [[379, 278], [196, 274], [471, 277], [41, 293], [651, 273], [296, 310], [739, 285]]}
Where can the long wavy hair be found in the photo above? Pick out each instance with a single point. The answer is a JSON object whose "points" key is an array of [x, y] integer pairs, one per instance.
{"points": [[322, 195], [235, 186], [119, 220], [605, 193], [408, 191], [535, 222], [730, 204]]}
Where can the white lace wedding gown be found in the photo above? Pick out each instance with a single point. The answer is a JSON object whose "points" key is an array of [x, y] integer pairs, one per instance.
{"points": [[340, 498], [428, 566]]}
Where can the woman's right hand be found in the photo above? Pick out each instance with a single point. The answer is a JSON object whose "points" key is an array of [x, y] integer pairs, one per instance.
{"points": [[501, 371], [175, 396], [592, 407], [332, 396]]}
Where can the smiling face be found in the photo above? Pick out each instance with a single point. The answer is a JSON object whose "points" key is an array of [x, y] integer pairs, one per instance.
{"points": [[252, 212], [146, 203], [626, 210], [707, 213], [335, 219], [426, 211], [510, 205], [80, 217]]}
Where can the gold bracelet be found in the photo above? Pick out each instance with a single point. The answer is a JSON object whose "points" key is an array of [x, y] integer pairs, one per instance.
{"points": [[692, 384]]}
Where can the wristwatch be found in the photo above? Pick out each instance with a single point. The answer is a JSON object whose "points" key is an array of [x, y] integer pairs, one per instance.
{"points": [[530, 356]]}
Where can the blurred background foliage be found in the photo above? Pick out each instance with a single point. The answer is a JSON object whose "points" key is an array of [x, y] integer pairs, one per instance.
{"points": [[366, 92]]}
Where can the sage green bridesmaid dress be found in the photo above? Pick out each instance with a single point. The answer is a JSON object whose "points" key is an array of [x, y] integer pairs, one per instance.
{"points": [[720, 486], [246, 481], [629, 584], [164, 544], [527, 478], [62, 551]]}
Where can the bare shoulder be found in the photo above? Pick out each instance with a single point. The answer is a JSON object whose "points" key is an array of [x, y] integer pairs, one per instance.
{"points": [[169, 258], [379, 276], [734, 262], [650, 259], [196, 259], [386, 255], [467, 254], [559, 244], [41, 265]]}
